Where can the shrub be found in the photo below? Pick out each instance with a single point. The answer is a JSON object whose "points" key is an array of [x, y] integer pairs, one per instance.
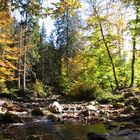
{"points": [[48, 90], [106, 97], [3, 88], [39, 88], [81, 91]]}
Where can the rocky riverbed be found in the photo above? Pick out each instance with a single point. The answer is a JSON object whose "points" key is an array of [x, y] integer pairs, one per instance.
{"points": [[54, 116]]}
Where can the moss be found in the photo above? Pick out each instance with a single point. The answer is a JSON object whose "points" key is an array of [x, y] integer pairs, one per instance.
{"points": [[107, 97]]}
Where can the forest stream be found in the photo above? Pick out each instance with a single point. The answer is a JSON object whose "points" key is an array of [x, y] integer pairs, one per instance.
{"points": [[69, 69], [29, 122]]}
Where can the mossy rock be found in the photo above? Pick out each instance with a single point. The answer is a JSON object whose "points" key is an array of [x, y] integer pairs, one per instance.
{"points": [[132, 101], [128, 109], [118, 105], [128, 94]]}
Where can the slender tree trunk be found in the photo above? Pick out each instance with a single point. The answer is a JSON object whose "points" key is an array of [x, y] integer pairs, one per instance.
{"points": [[107, 49], [110, 83], [43, 65], [24, 56], [24, 68], [134, 52], [67, 34], [51, 71], [133, 63], [19, 65]]}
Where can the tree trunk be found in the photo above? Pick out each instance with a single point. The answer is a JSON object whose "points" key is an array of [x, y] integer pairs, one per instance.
{"points": [[134, 52], [43, 65], [24, 56], [107, 49], [67, 34], [51, 71], [133, 63], [24, 68], [19, 65]]}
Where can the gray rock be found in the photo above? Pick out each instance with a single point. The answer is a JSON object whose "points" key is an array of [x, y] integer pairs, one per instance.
{"points": [[3, 110], [91, 108], [55, 108], [92, 103]]}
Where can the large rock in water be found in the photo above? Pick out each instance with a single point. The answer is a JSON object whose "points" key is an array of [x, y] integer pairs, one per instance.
{"points": [[10, 118], [93, 136], [91, 108], [3, 110], [54, 117], [55, 107], [37, 112]]}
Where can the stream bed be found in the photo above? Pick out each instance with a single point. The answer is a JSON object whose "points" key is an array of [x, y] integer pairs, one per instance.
{"points": [[42, 129], [74, 123]]}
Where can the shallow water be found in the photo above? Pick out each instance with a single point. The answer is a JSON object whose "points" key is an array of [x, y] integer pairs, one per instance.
{"points": [[47, 130]]}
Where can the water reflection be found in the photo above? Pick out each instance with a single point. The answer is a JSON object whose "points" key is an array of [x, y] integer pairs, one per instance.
{"points": [[47, 130]]}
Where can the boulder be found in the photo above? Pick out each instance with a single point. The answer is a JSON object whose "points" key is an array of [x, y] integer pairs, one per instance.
{"points": [[91, 108], [118, 105], [11, 107], [2, 102], [54, 117], [11, 118], [37, 112], [132, 101], [55, 107], [3, 110], [84, 113], [128, 109], [128, 94], [93, 136], [104, 113], [92, 103]]}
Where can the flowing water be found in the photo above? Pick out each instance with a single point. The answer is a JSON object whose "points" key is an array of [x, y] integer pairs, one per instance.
{"points": [[41, 129]]}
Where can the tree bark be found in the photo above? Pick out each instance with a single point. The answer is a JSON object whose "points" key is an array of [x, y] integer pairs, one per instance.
{"points": [[24, 68], [133, 63], [43, 64], [19, 65], [24, 56], [67, 34], [134, 52]]}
